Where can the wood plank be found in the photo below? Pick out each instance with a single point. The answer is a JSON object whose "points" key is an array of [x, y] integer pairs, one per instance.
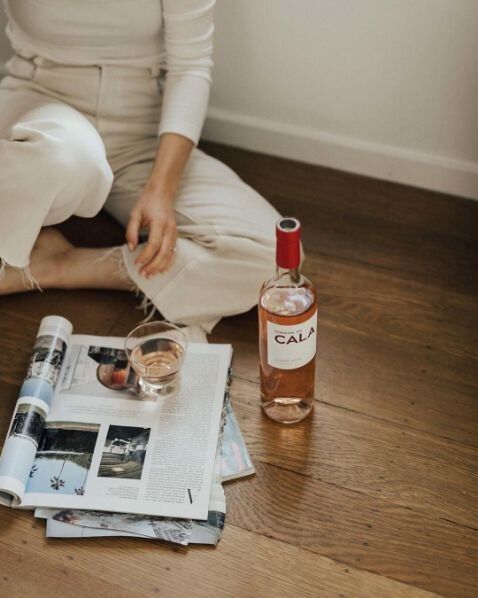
{"points": [[382, 378], [103, 307], [414, 232], [363, 454], [351, 528], [24, 573], [410, 252], [244, 565], [380, 304], [352, 297]]}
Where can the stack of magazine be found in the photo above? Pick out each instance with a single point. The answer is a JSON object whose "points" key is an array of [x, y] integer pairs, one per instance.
{"points": [[94, 459]]}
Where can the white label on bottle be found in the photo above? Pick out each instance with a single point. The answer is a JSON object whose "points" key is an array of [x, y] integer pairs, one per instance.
{"points": [[291, 347]]}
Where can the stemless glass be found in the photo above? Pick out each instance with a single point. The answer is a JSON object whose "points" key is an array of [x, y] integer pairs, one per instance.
{"points": [[156, 352]]}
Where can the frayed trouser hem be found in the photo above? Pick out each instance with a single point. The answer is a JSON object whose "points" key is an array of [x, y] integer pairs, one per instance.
{"points": [[29, 280], [115, 254], [121, 271], [147, 306], [151, 302]]}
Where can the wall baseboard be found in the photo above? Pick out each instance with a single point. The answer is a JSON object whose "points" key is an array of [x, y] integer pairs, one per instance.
{"points": [[391, 163]]}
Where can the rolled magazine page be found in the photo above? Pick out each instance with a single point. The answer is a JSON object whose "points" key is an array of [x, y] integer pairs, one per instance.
{"points": [[210, 531], [235, 459], [177, 531], [86, 524], [32, 407]]}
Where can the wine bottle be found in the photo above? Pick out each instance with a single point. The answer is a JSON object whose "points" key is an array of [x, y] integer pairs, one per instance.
{"points": [[287, 332]]}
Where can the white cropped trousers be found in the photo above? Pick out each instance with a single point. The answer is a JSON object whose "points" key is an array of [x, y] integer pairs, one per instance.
{"points": [[74, 140]]}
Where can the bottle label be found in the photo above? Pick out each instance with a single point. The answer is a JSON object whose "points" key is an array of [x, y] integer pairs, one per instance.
{"points": [[291, 347]]}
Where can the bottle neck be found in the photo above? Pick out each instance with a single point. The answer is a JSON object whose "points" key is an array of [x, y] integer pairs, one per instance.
{"points": [[291, 274], [288, 252]]}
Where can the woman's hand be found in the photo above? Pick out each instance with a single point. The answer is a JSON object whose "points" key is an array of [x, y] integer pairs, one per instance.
{"points": [[154, 211], [155, 207]]}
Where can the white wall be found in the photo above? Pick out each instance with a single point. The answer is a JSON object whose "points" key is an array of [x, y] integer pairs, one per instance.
{"points": [[381, 87]]}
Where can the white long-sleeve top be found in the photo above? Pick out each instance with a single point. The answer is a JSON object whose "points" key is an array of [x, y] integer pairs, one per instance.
{"points": [[175, 35]]}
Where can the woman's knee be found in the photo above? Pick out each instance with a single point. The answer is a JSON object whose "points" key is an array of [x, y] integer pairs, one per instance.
{"points": [[77, 156], [69, 156], [84, 171]]}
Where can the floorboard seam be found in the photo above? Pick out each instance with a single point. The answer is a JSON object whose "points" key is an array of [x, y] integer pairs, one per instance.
{"points": [[395, 337], [378, 419], [475, 529], [419, 510], [394, 273], [335, 560]]}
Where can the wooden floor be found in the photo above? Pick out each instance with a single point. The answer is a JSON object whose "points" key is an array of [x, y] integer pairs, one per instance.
{"points": [[376, 495]]}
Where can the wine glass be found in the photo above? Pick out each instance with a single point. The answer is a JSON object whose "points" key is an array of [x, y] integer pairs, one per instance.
{"points": [[156, 352]]}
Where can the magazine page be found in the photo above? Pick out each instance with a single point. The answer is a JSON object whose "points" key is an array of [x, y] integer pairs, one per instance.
{"points": [[59, 529], [32, 408], [105, 449], [177, 531], [210, 531], [180, 531], [232, 462], [235, 459]]}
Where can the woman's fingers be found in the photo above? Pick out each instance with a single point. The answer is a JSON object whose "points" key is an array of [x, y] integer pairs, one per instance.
{"points": [[158, 251], [132, 231], [164, 257], [153, 244]]}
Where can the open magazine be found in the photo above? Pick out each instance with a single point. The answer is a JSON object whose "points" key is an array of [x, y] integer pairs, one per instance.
{"points": [[80, 437], [232, 462]]}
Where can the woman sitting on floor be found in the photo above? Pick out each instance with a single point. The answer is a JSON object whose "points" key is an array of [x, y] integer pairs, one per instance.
{"points": [[87, 121]]}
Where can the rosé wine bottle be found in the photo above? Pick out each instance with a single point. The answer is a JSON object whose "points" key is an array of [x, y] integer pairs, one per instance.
{"points": [[287, 332]]}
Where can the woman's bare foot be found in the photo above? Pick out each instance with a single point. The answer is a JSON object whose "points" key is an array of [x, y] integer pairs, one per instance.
{"points": [[56, 263], [46, 264]]}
